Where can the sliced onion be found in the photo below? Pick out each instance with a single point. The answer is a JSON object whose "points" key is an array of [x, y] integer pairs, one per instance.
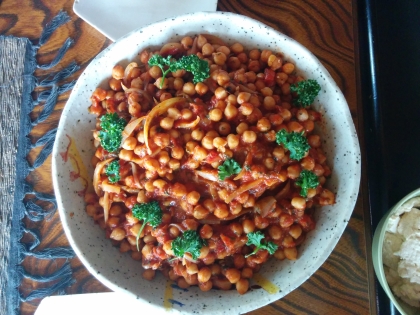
{"points": [[128, 70], [234, 216], [244, 88], [159, 110], [131, 126], [285, 190], [107, 205], [214, 40], [172, 49], [243, 189], [211, 220], [135, 174], [265, 205], [179, 227], [143, 93], [130, 190], [193, 49], [109, 188], [97, 174], [248, 161], [187, 124], [189, 259], [208, 174]]}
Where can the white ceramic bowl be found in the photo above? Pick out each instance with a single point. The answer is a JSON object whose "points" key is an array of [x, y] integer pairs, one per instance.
{"points": [[377, 247], [118, 271]]}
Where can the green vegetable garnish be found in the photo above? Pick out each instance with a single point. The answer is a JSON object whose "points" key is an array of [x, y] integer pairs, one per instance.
{"points": [[307, 180], [228, 168], [256, 239], [306, 92], [189, 242], [111, 134], [150, 213], [295, 142], [191, 63], [113, 172]]}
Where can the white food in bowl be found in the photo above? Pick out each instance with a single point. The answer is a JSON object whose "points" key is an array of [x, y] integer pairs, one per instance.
{"points": [[401, 252], [118, 271]]}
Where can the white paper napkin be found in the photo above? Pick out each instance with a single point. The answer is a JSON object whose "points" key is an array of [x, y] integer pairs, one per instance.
{"points": [[118, 17]]}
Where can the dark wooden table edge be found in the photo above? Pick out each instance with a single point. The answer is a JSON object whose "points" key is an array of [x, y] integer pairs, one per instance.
{"points": [[373, 182]]}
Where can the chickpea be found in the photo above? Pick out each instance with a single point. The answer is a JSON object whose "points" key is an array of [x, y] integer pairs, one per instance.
{"points": [[118, 72], [155, 72], [302, 114], [295, 231], [201, 41], [134, 109], [293, 171], [237, 48], [265, 54], [201, 88], [207, 142], [254, 54], [205, 286], [220, 93], [178, 84], [224, 128], [246, 108], [193, 197], [223, 78], [249, 136], [197, 134], [206, 231], [219, 58], [231, 111], [242, 286], [167, 123], [149, 274], [288, 68], [186, 114], [294, 126], [233, 275], [118, 234], [275, 232], [285, 89], [189, 88], [190, 146], [174, 164], [215, 114], [204, 274], [248, 226], [232, 141], [269, 163], [207, 49], [151, 165], [235, 208], [263, 125], [290, 253], [314, 141], [182, 283], [243, 97], [236, 228], [187, 42], [115, 84], [221, 210], [177, 152], [247, 273], [299, 203], [279, 254], [129, 143], [269, 103], [233, 63]]}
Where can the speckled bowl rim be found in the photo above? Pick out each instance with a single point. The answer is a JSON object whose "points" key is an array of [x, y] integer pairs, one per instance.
{"points": [[353, 180], [377, 247]]}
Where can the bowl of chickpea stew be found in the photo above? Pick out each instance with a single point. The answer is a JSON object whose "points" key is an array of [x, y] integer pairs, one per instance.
{"points": [[201, 166]]}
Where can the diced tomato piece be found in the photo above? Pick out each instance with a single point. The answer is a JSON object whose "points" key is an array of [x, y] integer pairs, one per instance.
{"points": [[269, 77], [307, 223], [213, 156]]}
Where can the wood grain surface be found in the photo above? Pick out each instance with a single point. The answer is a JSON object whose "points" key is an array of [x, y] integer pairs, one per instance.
{"points": [[343, 285]]}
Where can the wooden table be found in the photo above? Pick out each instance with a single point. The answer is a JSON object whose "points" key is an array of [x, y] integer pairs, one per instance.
{"points": [[345, 283]]}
